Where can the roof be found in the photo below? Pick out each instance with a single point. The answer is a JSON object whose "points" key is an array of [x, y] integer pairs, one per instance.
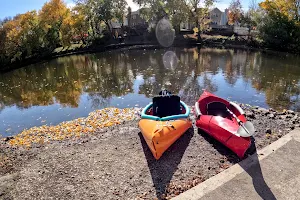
{"points": [[135, 12], [215, 9]]}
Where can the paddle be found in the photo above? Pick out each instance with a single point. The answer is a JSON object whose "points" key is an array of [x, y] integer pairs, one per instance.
{"points": [[246, 129]]}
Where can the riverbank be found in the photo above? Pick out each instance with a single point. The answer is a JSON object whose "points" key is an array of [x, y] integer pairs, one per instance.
{"points": [[180, 41], [114, 162]]}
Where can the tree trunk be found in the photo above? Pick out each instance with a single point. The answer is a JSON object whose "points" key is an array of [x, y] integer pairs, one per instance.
{"points": [[82, 38], [199, 39], [108, 27], [92, 27], [177, 28]]}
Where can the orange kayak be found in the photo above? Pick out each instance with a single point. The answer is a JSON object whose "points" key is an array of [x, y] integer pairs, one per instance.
{"points": [[160, 135]]}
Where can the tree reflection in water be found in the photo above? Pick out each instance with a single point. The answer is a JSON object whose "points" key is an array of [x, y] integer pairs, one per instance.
{"points": [[274, 78]]}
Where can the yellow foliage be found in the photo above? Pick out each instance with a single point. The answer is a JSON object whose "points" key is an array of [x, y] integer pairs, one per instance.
{"points": [[289, 8], [52, 13], [67, 130]]}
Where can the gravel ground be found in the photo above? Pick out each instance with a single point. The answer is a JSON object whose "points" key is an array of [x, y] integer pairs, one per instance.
{"points": [[115, 162]]}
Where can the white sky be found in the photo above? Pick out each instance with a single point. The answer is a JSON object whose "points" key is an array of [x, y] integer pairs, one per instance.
{"points": [[134, 6]]}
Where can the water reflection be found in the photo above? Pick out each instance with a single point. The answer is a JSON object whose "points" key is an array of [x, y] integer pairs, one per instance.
{"points": [[71, 87]]}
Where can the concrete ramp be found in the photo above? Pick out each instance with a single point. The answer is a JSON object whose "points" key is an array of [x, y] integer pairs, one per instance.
{"points": [[272, 173]]}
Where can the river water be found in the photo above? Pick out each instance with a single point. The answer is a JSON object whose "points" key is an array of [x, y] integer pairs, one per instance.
{"points": [[70, 87]]}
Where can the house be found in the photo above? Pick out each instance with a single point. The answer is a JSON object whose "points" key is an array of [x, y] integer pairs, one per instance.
{"points": [[135, 19], [218, 19]]}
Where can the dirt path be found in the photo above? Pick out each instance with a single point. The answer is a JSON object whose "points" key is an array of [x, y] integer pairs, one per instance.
{"points": [[117, 164]]}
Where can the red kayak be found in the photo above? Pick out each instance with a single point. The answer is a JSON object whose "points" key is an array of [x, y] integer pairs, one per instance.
{"points": [[224, 121]]}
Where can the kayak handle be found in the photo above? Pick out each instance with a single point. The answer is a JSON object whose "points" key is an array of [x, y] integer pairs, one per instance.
{"points": [[197, 110], [239, 109]]}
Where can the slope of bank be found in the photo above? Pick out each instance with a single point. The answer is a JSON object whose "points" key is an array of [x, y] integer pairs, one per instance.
{"points": [[114, 162]]}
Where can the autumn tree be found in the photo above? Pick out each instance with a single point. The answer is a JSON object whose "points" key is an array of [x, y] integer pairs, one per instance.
{"points": [[281, 25], [52, 16], [199, 14], [80, 22], [288, 8], [66, 29], [3, 58], [235, 12]]}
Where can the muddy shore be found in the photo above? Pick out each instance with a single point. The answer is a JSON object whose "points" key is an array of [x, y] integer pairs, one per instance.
{"points": [[115, 162]]}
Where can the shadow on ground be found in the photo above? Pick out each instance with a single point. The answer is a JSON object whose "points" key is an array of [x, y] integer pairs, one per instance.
{"points": [[223, 150], [258, 180], [254, 171], [162, 170]]}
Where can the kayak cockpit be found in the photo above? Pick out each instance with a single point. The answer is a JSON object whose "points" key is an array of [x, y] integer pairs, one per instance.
{"points": [[164, 108]]}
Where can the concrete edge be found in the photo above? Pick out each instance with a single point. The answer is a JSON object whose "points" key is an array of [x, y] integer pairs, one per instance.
{"points": [[216, 181]]}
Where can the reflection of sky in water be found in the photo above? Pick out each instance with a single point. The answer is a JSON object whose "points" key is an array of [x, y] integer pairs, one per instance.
{"points": [[241, 91], [83, 83]]}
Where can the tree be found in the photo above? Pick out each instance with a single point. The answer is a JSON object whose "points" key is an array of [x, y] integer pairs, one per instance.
{"points": [[22, 35], [129, 16], [199, 14], [178, 11], [235, 12], [280, 26], [154, 10], [31, 33], [86, 7], [3, 58], [106, 10], [80, 22], [66, 29], [289, 8], [119, 10], [52, 16]]}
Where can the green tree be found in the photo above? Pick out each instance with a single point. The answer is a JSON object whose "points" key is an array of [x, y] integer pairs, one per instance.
{"points": [[199, 14], [80, 23], [178, 11], [106, 10], [280, 27]]}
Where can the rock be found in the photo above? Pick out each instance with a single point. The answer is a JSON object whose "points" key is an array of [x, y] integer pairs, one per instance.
{"points": [[290, 112], [283, 117], [268, 130], [263, 111], [289, 116], [8, 138], [250, 114], [271, 110], [294, 120], [271, 116]]}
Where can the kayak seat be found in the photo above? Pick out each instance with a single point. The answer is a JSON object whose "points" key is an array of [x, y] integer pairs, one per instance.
{"points": [[164, 106], [217, 109]]}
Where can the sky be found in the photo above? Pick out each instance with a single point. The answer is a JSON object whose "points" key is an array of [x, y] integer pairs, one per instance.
{"points": [[12, 7]]}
